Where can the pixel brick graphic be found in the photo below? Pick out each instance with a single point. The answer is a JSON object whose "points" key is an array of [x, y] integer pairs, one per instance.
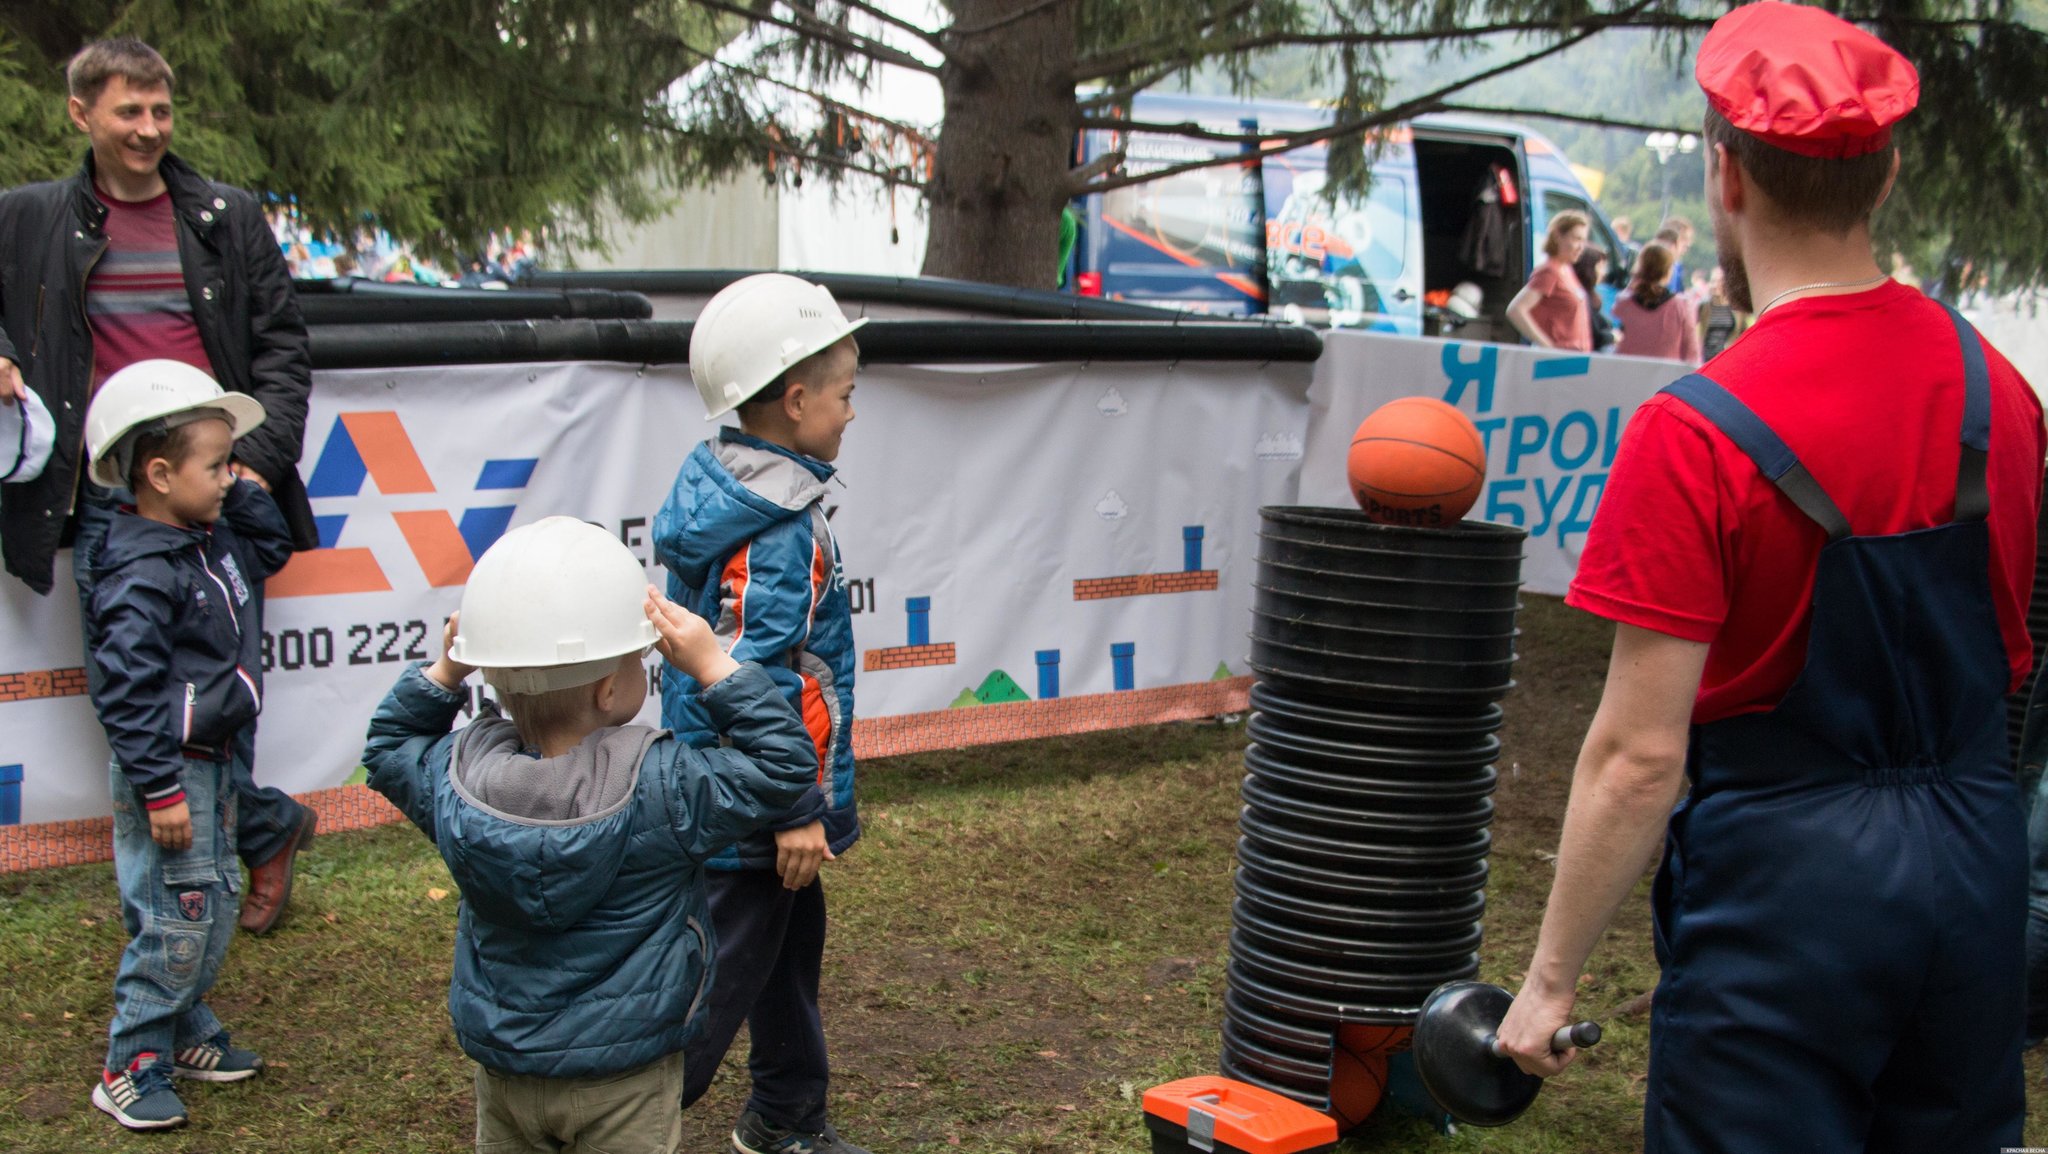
{"points": [[1192, 578]]}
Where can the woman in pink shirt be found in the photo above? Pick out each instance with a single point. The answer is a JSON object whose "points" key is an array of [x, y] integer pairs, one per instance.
{"points": [[1655, 322], [1551, 309]]}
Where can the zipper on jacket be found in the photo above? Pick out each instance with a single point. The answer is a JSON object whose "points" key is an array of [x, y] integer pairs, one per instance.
{"points": [[703, 971], [227, 598], [249, 683], [35, 348], [92, 352], [191, 704]]}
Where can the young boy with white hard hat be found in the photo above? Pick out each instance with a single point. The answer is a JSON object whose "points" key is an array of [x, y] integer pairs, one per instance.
{"points": [[177, 641], [582, 955], [745, 539]]}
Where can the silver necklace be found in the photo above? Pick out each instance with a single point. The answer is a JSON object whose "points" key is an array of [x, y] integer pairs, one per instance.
{"points": [[1821, 285]]}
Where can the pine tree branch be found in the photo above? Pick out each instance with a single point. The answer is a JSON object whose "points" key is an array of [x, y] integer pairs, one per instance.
{"points": [[1406, 110], [935, 39], [811, 27], [1131, 87], [1130, 56], [1124, 59], [1568, 117], [1079, 178], [908, 131], [957, 33]]}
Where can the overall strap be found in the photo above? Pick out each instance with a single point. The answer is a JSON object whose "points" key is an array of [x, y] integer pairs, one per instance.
{"points": [[1973, 498], [1774, 459]]}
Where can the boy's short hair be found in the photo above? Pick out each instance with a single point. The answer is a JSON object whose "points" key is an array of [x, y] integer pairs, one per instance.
{"points": [[550, 711], [102, 60], [1831, 196], [1677, 226], [151, 442], [821, 365]]}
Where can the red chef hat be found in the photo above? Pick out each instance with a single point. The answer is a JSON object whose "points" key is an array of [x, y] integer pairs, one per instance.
{"points": [[1805, 80]]}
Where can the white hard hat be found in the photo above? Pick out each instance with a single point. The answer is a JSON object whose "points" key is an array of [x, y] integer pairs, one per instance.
{"points": [[552, 605], [1466, 300], [754, 329], [171, 392]]}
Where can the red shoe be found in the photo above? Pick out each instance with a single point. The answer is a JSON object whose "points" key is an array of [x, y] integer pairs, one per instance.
{"points": [[270, 884]]}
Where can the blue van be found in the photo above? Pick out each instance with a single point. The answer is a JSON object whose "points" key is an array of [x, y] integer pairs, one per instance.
{"points": [[1454, 200]]}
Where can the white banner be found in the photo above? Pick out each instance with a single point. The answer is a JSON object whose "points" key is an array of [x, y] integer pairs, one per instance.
{"points": [[1010, 532], [1551, 422]]}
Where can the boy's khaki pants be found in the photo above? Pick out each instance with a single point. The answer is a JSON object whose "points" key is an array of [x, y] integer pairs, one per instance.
{"points": [[637, 1112]]}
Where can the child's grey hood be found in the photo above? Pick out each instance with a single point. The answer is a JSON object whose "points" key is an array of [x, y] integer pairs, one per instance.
{"points": [[542, 838]]}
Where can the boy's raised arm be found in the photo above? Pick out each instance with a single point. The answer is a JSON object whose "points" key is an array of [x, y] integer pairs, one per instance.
{"points": [[769, 770], [408, 730]]}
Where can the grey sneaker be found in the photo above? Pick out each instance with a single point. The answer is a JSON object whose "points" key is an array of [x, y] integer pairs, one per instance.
{"points": [[140, 1097], [217, 1060], [756, 1135]]}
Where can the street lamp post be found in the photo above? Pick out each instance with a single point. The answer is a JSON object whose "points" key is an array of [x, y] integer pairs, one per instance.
{"points": [[1665, 145]]}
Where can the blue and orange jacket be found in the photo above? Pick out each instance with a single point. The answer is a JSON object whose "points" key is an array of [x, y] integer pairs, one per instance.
{"points": [[744, 536]]}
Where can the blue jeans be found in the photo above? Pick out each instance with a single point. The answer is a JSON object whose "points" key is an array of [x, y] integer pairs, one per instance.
{"points": [[267, 816], [179, 909]]}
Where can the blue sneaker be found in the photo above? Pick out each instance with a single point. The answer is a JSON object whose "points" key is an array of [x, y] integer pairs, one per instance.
{"points": [[217, 1060], [141, 1097], [756, 1135]]}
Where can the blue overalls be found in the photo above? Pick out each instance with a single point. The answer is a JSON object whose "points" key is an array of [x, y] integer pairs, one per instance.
{"points": [[1840, 910]]}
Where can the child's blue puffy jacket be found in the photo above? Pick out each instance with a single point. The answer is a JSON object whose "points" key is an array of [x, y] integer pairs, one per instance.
{"points": [[745, 540], [582, 946]]}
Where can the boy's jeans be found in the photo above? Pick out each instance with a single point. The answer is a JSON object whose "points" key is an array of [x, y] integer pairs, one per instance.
{"points": [[180, 911], [269, 816]]}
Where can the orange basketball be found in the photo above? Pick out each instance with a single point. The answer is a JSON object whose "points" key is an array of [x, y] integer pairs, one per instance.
{"points": [[1357, 1080], [1417, 461], [1369, 1039]]}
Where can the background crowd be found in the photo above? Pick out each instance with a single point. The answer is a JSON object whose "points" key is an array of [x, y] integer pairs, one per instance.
{"points": [[374, 255]]}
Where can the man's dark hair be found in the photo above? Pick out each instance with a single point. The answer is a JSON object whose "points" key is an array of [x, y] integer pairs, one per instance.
{"points": [[1832, 196], [102, 60]]}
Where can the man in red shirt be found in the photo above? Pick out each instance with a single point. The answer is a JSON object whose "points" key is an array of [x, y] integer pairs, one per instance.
{"points": [[136, 256], [1818, 556]]}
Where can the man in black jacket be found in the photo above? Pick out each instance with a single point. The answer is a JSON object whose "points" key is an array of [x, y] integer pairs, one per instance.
{"points": [[138, 256]]}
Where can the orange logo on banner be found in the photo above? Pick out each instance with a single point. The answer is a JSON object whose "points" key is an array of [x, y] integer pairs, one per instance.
{"points": [[375, 446]]}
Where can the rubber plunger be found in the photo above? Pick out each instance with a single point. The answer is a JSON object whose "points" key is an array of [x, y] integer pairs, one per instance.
{"points": [[1455, 1054]]}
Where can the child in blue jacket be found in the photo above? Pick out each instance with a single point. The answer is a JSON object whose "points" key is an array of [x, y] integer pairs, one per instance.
{"points": [[178, 645], [582, 958], [744, 536]]}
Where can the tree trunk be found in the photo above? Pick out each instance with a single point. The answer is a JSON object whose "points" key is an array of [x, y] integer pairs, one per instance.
{"points": [[1000, 177]]}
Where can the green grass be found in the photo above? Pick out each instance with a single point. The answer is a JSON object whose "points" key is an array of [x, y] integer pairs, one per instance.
{"points": [[1027, 937]]}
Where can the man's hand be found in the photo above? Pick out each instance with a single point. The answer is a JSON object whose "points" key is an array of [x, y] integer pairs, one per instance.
{"points": [[799, 852], [447, 672], [247, 473], [1525, 1033], [13, 390], [686, 641], [171, 827]]}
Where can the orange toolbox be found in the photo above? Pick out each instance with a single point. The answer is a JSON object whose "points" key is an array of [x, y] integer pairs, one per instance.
{"points": [[1212, 1115]]}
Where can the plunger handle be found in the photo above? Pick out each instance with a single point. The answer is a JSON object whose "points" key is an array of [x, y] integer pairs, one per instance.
{"points": [[1567, 1038]]}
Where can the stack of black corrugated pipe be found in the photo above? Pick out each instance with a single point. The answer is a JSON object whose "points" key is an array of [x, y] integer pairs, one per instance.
{"points": [[1382, 654]]}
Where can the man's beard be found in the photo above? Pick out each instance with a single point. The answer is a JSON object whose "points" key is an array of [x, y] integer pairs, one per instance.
{"points": [[1735, 279]]}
